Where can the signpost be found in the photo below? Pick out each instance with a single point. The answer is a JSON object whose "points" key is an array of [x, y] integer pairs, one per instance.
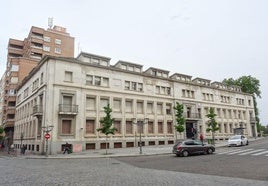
{"points": [[47, 136], [46, 130]]}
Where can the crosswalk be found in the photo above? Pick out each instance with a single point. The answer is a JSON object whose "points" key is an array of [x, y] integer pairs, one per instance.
{"points": [[243, 152]]}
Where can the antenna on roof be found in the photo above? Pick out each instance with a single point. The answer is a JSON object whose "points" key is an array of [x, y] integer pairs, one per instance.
{"points": [[50, 22]]}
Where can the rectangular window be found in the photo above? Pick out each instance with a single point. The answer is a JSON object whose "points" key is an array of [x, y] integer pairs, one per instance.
{"points": [[169, 127], [168, 109], [139, 107], [97, 80], [104, 102], [57, 41], [149, 108], [46, 39], [127, 85], [159, 108], [117, 105], [66, 126], [129, 127], [14, 68], [68, 76], [150, 127], [57, 50], [140, 87], [89, 80], [90, 126], [90, 103], [128, 106], [117, 125], [140, 128], [46, 48], [160, 127], [134, 85], [157, 89]]}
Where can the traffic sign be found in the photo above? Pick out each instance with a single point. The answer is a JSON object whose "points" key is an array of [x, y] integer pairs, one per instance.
{"points": [[47, 135]]}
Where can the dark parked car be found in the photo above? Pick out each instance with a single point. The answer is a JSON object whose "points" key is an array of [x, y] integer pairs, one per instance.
{"points": [[189, 147]]}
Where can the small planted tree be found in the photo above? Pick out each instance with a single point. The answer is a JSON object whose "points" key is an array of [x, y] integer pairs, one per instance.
{"points": [[180, 120], [107, 123], [212, 124]]}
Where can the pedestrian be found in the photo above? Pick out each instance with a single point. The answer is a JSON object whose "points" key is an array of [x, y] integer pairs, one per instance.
{"points": [[66, 148], [202, 138]]}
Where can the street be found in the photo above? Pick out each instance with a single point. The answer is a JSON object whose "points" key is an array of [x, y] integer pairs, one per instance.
{"points": [[241, 162], [225, 167]]}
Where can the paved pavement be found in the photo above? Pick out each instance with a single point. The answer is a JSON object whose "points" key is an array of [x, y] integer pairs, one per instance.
{"points": [[118, 152]]}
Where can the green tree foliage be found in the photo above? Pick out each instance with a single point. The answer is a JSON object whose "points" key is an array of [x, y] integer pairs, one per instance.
{"points": [[212, 123], [180, 120], [249, 85], [107, 123]]}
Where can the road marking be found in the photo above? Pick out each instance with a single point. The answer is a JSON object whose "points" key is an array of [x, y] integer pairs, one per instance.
{"points": [[239, 151], [260, 153], [245, 153], [228, 151]]}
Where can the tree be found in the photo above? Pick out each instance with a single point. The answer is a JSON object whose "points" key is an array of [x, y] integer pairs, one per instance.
{"points": [[249, 85], [180, 120], [107, 123], [212, 123], [1, 130]]}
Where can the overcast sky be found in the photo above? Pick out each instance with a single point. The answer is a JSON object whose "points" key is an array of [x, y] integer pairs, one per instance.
{"points": [[211, 39]]}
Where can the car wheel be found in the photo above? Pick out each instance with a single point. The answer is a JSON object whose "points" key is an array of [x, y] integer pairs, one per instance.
{"points": [[241, 143], [210, 151], [247, 143], [185, 153]]}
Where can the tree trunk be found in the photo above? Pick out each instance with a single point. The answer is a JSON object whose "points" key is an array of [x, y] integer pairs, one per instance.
{"points": [[106, 146]]}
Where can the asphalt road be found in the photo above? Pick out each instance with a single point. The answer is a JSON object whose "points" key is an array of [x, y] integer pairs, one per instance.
{"points": [[225, 162]]}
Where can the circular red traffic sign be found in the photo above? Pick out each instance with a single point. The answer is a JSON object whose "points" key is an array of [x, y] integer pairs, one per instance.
{"points": [[47, 135]]}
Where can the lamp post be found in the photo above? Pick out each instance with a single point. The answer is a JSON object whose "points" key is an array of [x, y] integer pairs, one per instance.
{"points": [[140, 123], [21, 139], [46, 129]]}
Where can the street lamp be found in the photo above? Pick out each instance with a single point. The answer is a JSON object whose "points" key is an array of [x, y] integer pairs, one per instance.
{"points": [[21, 138], [140, 123], [46, 129]]}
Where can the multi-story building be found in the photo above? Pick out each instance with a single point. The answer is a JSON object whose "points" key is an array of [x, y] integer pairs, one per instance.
{"points": [[70, 95], [22, 57]]}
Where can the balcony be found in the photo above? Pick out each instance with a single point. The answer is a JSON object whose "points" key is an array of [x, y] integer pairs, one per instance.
{"points": [[38, 110], [68, 109], [192, 116]]}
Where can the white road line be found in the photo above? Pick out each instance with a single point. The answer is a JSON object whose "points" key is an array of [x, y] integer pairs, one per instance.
{"points": [[240, 151], [228, 151], [260, 153], [251, 152]]}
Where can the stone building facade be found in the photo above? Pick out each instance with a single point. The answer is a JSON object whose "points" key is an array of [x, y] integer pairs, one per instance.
{"points": [[70, 93]]}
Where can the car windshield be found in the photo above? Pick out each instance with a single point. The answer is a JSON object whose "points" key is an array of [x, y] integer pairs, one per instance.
{"points": [[235, 137]]}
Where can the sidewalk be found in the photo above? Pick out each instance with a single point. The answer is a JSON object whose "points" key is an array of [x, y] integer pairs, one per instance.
{"points": [[118, 152]]}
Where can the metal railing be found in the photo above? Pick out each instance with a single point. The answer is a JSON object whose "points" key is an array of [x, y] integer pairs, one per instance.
{"points": [[68, 109]]}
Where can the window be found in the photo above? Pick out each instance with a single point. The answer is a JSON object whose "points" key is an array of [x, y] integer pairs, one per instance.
{"points": [[90, 126], [57, 41], [46, 39], [169, 127], [97, 80], [42, 78], [139, 107], [57, 50], [14, 80], [90, 103], [46, 48], [66, 126], [89, 80], [68, 76], [160, 127], [149, 108], [127, 85], [14, 68], [104, 102], [128, 106], [117, 105], [150, 127], [140, 87], [159, 108], [129, 127], [117, 125], [157, 89], [134, 85], [168, 108]]}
